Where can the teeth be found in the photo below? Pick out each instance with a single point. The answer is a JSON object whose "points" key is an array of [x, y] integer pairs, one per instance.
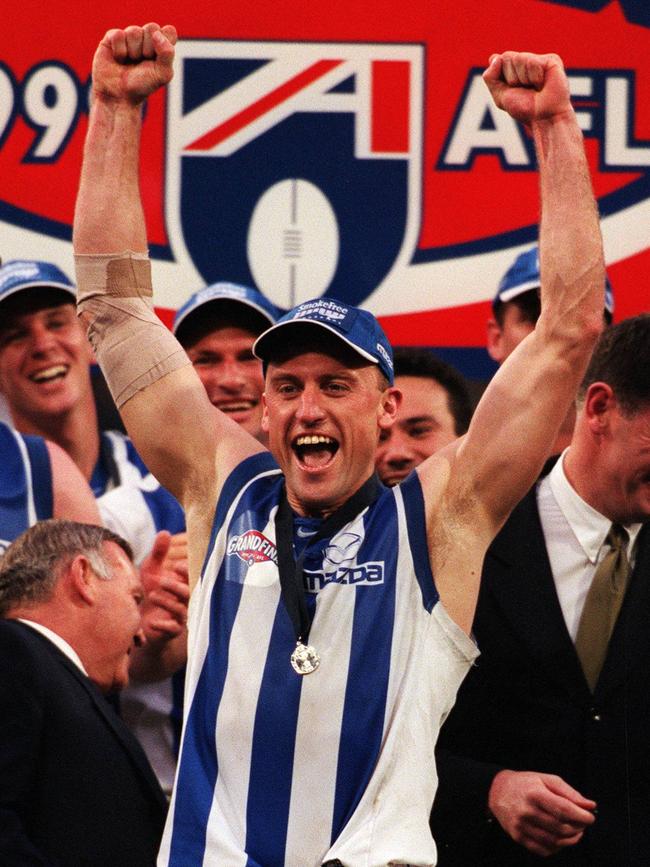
{"points": [[49, 373], [313, 440], [235, 407]]}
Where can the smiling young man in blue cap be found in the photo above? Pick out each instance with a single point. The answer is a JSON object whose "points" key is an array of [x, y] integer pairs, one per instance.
{"points": [[323, 654]]}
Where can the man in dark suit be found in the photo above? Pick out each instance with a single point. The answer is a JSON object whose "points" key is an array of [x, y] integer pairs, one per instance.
{"points": [[545, 757], [75, 787]]}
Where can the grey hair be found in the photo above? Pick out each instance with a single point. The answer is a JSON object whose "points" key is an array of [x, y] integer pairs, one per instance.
{"points": [[33, 563]]}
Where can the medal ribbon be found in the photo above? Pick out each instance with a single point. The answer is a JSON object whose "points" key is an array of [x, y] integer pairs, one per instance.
{"points": [[291, 571]]}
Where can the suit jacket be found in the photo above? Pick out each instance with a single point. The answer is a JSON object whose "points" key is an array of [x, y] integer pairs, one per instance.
{"points": [[75, 786], [526, 706]]}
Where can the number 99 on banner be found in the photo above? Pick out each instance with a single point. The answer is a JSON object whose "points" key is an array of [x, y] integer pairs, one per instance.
{"points": [[49, 99]]}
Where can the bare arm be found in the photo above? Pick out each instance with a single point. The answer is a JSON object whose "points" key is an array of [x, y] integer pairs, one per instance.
{"points": [[471, 489], [186, 443], [73, 499]]}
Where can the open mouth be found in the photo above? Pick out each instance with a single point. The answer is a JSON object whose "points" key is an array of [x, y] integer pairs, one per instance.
{"points": [[231, 407], [49, 374], [315, 451], [395, 477]]}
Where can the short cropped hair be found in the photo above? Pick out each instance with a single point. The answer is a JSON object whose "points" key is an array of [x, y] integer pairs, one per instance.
{"points": [[33, 563], [529, 304], [413, 361], [219, 314], [622, 360]]}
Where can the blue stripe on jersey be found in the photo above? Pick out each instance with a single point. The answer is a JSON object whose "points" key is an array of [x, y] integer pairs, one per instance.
{"points": [[39, 458], [365, 697], [99, 479], [259, 463], [274, 736], [134, 458], [413, 498], [165, 510], [198, 769], [14, 492]]}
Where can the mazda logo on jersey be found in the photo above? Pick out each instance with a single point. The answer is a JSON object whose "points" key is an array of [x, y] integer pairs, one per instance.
{"points": [[370, 573]]}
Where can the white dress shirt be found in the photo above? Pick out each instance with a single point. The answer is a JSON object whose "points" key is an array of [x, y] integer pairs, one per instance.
{"points": [[575, 535], [63, 645]]}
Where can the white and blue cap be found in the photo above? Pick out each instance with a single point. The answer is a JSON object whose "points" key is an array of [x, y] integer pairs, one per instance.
{"points": [[17, 275], [523, 275], [234, 293], [353, 326]]}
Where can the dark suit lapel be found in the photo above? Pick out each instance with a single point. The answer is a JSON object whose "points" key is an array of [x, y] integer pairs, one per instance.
{"points": [[108, 714], [518, 575], [630, 642]]}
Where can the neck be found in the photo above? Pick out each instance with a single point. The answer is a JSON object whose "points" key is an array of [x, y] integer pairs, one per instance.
{"points": [[315, 509], [588, 480], [75, 431]]}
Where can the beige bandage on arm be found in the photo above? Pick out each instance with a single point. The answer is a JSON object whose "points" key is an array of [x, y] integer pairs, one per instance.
{"points": [[114, 299]]}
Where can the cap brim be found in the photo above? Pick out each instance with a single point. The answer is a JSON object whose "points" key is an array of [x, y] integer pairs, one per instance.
{"points": [[264, 341], [515, 291], [44, 284], [224, 298]]}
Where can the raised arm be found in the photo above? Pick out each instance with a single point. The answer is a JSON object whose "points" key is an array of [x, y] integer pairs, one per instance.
{"points": [[471, 490], [187, 444]]}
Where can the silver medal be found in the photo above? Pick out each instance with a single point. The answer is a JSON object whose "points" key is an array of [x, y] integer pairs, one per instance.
{"points": [[305, 658]]}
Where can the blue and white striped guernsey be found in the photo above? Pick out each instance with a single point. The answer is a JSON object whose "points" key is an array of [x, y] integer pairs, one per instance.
{"points": [[278, 769], [26, 494]]}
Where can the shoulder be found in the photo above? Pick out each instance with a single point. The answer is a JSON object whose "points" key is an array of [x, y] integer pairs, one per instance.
{"points": [[23, 654]]}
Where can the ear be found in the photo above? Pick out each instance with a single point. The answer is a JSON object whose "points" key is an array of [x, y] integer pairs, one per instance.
{"points": [[494, 343], [82, 579], [390, 404], [599, 403], [265, 414]]}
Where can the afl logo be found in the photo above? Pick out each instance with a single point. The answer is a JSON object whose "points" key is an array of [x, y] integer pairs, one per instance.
{"points": [[295, 166], [252, 547]]}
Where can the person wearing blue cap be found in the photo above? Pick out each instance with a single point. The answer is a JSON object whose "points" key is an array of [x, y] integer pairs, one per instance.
{"points": [[515, 310], [330, 618], [516, 305], [217, 327]]}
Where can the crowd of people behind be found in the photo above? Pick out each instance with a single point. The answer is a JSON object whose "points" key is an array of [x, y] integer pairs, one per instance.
{"points": [[368, 571]]}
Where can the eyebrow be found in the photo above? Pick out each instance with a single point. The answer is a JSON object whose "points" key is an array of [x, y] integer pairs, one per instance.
{"points": [[418, 419]]}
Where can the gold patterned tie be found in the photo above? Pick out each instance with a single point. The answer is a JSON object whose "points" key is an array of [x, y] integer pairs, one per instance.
{"points": [[602, 604]]}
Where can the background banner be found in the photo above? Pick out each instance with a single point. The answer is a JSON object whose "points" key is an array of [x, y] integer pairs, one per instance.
{"points": [[346, 149]]}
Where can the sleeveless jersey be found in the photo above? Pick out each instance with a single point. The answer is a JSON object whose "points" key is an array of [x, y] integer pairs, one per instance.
{"points": [[278, 769], [26, 494]]}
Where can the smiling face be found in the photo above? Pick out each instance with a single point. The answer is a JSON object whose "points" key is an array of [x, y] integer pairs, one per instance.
{"points": [[44, 358], [423, 425], [624, 467], [231, 375], [118, 619], [323, 415]]}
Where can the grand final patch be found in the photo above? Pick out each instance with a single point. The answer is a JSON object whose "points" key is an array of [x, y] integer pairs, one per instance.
{"points": [[253, 547]]}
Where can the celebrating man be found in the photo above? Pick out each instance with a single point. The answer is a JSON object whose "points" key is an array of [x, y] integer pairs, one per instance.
{"points": [[335, 766]]}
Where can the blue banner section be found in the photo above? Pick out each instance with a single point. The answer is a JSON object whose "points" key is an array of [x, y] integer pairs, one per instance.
{"points": [[635, 11]]}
